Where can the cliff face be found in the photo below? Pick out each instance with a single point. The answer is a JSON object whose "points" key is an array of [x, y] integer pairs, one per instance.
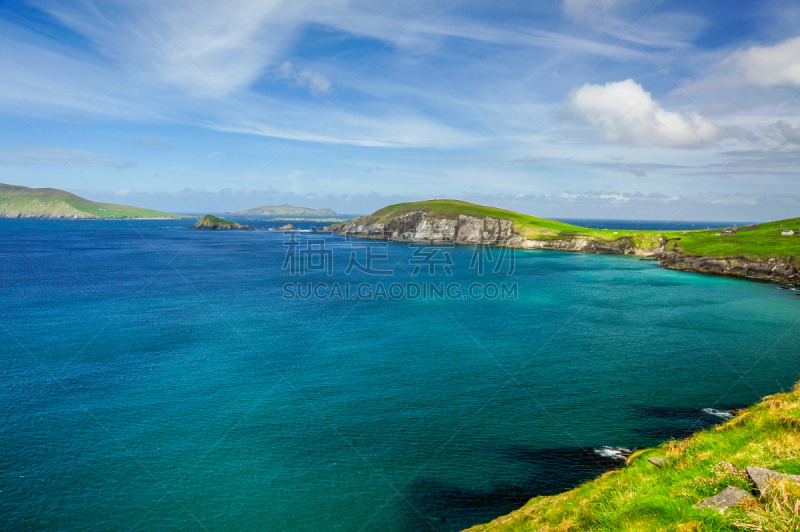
{"points": [[774, 269], [418, 226]]}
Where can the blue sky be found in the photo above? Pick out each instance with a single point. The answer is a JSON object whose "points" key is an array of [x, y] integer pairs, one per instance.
{"points": [[572, 109]]}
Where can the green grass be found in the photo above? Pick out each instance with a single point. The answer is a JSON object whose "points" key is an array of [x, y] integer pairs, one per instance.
{"points": [[52, 202], [764, 242], [642, 497]]}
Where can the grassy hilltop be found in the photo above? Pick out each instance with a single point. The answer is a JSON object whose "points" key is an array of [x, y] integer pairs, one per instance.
{"points": [[765, 241], [643, 497], [24, 202]]}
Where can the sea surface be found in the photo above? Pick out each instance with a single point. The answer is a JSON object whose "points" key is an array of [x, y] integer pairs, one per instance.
{"points": [[155, 378]]}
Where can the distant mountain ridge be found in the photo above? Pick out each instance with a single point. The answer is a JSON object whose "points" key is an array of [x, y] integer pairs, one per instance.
{"points": [[53, 203], [285, 210]]}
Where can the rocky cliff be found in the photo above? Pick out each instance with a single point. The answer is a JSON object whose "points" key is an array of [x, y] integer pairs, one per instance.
{"points": [[420, 226], [773, 269]]}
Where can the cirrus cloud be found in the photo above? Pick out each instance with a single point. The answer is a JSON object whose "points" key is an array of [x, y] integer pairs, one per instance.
{"points": [[628, 114]]}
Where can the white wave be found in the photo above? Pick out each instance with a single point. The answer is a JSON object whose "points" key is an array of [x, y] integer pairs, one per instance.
{"points": [[724, 414], [617, 453]]}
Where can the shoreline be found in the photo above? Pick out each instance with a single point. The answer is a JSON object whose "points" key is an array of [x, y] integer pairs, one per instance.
{"points": [[682, 480], [771, 270]]}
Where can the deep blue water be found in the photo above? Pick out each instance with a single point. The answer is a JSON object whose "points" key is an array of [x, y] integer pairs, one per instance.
{"points": [[156, 378]]}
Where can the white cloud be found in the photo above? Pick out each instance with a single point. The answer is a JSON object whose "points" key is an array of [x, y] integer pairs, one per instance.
{"points": [[628, 114], [315, 81], [770, 66]]}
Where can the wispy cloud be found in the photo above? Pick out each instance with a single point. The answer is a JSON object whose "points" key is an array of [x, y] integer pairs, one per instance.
{"points": [[636, 169], [60, 157], [150, 144], [316, 82]]}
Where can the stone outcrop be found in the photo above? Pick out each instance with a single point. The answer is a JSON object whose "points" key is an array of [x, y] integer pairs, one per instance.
{"points": [[763, 477], [728, 498], [769, 269], [657, 461]]}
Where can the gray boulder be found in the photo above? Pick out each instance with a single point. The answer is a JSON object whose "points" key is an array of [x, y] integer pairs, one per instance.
{"points": [[657, 461], [728, 498], [762, 477]]}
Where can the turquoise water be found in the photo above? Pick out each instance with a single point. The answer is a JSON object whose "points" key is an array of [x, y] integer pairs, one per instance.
{"points": [[155, 378]]}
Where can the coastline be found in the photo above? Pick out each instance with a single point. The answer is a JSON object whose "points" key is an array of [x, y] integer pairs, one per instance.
{"points": [[774, 269], [677, 485]]}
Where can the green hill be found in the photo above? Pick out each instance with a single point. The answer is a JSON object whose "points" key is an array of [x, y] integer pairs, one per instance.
{"points": [[24, 202], [285, 210], [762, 241]]}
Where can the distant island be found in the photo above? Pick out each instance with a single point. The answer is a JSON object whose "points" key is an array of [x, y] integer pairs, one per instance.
{"points": [[769, 251], [52, 203], [209, 222], [285, 210]]}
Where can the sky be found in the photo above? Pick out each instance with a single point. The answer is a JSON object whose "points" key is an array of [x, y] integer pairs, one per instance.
{"points": [[620, 109]]}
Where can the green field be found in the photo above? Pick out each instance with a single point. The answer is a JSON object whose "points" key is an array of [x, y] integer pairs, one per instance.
{"points": [[18, 201], [643, 497], [764, 242]]}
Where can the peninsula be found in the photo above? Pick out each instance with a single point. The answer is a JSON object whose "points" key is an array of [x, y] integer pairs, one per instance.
{"points": [[52, 203], [286, 210], [210, 223], [769, 251]]}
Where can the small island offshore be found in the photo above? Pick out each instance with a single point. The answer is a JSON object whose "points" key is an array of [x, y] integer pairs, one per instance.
{"points": [[210, 223]]}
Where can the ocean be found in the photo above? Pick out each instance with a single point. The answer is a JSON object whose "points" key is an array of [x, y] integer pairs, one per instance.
{"points": [[156, 378]]}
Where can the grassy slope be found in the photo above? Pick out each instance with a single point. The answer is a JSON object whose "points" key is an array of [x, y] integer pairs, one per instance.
{"points": [[764, 242], [643, 497], [51, 201]]}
